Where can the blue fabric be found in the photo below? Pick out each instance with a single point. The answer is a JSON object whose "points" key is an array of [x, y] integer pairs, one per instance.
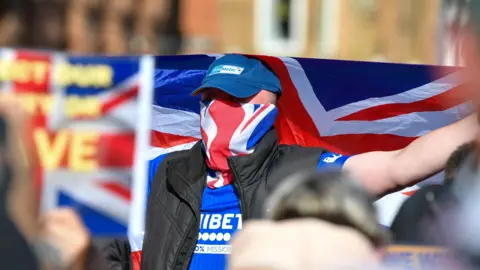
{"points": [[240, 76], [96, 221], [220, 219], [173, 88], [331, 161]]}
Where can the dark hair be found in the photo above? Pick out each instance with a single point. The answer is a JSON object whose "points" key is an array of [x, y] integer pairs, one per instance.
{"points": [[330, 196], [456, 159]]}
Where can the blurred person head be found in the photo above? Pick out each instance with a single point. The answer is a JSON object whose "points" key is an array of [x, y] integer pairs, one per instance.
{"points": [[306, 244], [332, 196], [315, 221]]}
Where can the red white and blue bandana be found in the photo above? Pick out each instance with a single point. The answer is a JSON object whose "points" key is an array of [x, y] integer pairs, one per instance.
{"points": [[232, 129]]}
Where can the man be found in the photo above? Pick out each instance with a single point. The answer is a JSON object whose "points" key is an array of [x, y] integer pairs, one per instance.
{"points": [[199, 198]]}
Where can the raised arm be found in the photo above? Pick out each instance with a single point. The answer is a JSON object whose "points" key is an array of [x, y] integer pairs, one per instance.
{"points": [[383, 172]]}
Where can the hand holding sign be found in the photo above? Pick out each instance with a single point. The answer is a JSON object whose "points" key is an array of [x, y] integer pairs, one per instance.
{"points": [[64, 239]]}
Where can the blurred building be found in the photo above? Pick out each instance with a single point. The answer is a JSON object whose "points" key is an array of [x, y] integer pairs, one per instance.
{"points": [[200, 25], [383, 30]]}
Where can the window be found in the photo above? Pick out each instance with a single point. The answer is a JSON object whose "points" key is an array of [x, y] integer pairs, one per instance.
{"points": [[329, 30], [283, 18], [281, 26]]}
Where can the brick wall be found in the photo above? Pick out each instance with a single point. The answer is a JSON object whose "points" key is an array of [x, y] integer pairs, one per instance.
{"points": [[199, 25], [386, 30]]}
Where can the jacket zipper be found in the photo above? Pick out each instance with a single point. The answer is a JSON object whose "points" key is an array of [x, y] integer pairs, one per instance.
{"points": [[190, 253], [195, 226], [239, 188]]}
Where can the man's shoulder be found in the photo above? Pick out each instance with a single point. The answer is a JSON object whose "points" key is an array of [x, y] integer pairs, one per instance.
{"points": [[155, 164], [298, 150], [171, 156], [294, 156], [323, 158]]}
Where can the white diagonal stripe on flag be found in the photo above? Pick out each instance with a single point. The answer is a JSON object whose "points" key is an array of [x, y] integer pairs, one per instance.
{"points": [[83, 187], [154, 152], [417, 94], [306, 94], [408, 125], [177, 122]]}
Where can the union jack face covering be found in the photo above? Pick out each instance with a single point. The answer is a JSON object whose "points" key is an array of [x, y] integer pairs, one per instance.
{"points": [[228, 129]]}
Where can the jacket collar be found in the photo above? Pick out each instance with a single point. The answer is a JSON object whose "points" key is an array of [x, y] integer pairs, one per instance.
{"points": [[249, 168], [192, 167], [186, 174]]}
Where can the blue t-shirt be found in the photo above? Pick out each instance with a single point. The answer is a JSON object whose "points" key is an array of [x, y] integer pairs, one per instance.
{"points": [[220, 219]]}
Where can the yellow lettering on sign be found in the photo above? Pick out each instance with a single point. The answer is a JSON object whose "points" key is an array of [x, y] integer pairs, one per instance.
{"points": [[50, 152], [19, 71], [103, 76], [33, 102], [3, 70], [76, 106], [28, 102], [100, 76], [83, 151], [23, 71], [45, 103], [40, 70], [80, 146], [61, 75]]}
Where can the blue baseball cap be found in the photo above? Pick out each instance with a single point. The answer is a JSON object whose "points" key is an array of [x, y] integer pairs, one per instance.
{"points": [[240, 76]]}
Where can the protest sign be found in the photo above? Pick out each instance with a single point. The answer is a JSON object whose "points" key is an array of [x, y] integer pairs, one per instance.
{"points": [[88, 129]]}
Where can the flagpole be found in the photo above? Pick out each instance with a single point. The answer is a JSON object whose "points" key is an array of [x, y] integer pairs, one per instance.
{"points": [[136, 222]]}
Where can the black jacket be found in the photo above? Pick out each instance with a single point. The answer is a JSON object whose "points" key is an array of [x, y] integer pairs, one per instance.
{"points": [[425, 218], [173, 212]]}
